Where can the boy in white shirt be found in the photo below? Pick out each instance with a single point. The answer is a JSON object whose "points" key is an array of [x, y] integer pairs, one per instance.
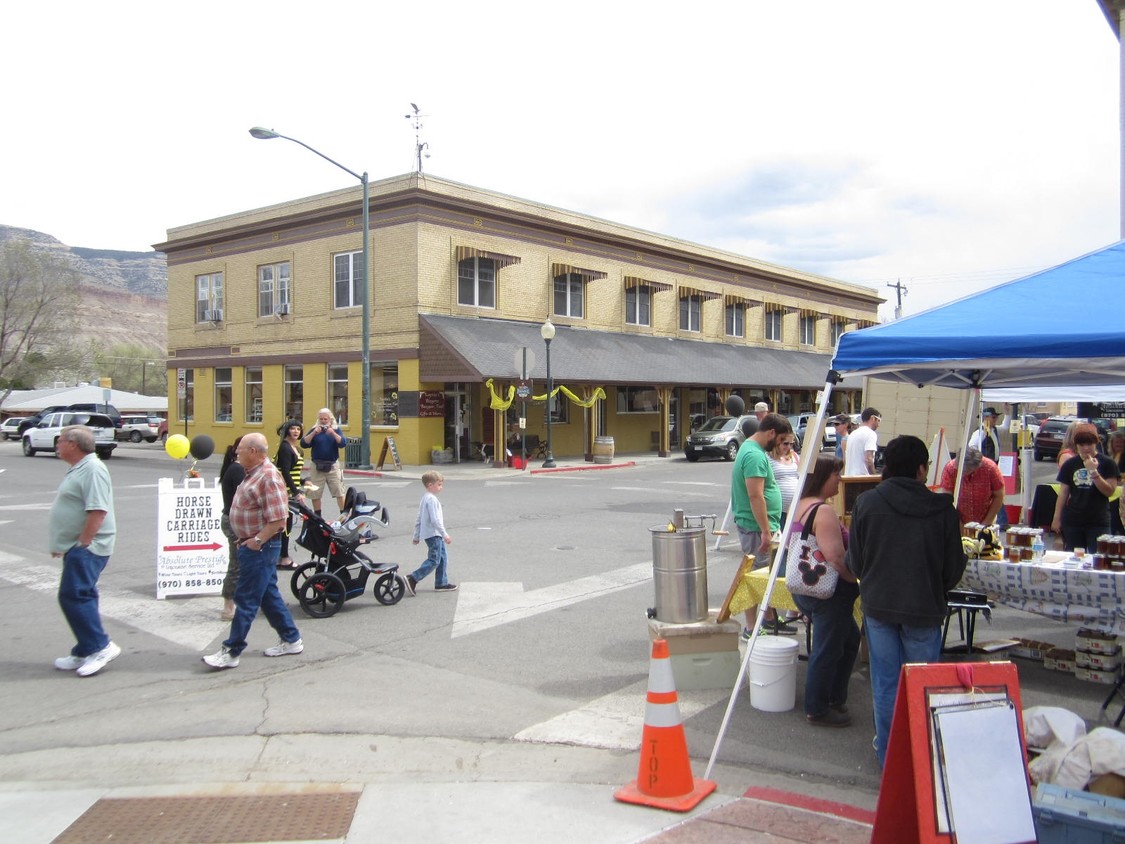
{"points": [[430, 526]]}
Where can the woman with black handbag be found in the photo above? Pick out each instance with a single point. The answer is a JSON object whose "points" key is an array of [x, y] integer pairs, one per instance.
{"points": [[835, 641]]}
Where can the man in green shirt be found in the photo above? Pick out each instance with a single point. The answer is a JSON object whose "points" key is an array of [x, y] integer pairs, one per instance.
{"points": [[81, 531], [756, 498]]}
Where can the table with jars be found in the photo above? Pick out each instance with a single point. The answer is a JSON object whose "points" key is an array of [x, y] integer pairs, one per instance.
{"points": [[1086, 587]]}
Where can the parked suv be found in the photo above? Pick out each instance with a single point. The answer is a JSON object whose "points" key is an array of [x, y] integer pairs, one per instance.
{"points": [[801, 421], [32, 421], [719, 436], [45, 435], [137, 428], [96, 407], [1048, 442]]}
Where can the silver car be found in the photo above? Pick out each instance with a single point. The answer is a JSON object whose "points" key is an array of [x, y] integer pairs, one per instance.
{"points": [[10, 427], [719, 436]]}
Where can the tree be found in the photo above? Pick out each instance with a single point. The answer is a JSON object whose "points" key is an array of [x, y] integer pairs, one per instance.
{"points": [[38, 311], [133, 367]]}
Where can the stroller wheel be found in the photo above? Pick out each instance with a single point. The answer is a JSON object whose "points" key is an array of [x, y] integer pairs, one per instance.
{"points": [[389, 589], [322, 595], [303, 573]]}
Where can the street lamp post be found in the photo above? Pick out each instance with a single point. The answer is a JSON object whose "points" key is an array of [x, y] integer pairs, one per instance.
{"points": [[365, 431], [547, 332]]}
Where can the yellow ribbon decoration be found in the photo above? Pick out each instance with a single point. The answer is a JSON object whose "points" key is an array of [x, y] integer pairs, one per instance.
{"points": [[498, 402]]}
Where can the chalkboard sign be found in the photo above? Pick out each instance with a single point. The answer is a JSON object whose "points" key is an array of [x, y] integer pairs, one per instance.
{"points": [[389, 445], [408, 404]]}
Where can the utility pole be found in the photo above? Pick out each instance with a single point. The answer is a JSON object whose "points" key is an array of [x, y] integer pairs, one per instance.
{"points": [[900, 288], [419, 145]]}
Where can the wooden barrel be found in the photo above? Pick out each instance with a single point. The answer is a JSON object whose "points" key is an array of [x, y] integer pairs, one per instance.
{"points": [[603, 449]]}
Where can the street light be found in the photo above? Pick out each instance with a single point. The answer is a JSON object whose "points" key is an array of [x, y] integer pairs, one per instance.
{"points": [[365, 431], [547, 332]]}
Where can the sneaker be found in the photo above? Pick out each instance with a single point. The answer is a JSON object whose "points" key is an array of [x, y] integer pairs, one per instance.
{"points": [[95, 662], [410, 584], [284, 648], [784, 628], [69, 663], [831, 718], [746, 634], [446, 587], [222, 658], [768, 628]]}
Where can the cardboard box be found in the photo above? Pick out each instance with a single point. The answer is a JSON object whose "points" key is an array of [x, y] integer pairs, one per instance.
{"points": [[1059, 659], [1029, 649], [1093, 675], [1094, 641], [697, 637]]}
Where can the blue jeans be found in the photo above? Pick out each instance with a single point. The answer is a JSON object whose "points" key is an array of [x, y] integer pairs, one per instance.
{"points": [[891, 646], [257, 588], [78, 598], [835, 646], [435, 559]]}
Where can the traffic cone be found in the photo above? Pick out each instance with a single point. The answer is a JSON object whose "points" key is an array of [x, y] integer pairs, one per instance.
{"points": [[664, 779]]}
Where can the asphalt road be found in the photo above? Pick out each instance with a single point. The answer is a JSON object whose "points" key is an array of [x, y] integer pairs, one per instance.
{"points": [[546, 642]]}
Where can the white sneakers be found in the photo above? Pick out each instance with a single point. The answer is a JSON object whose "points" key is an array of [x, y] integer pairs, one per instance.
{"points": [[222, 658], [86, 666], [283, 648]]}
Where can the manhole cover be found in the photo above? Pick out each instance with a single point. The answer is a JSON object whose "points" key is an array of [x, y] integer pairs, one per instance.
{"points": [[214, 820]]}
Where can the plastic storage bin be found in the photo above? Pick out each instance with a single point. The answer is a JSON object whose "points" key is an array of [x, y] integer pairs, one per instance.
{"points": [[1066, 816]]}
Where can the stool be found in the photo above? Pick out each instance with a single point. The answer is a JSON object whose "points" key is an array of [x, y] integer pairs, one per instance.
{"points": [[1117, 690], [965, 605]]}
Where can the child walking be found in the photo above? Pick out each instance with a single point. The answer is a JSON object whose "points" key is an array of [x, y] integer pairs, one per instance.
{"points": [[430, 527]]}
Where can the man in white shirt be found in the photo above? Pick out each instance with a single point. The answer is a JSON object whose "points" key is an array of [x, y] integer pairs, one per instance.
{"points": [[860, 448]]}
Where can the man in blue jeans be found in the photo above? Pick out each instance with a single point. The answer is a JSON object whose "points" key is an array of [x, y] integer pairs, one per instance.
{"points": [[905, 548], [82, 532], [258, 514]]}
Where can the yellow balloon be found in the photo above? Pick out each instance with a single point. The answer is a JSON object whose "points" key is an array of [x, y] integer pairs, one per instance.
{"points": [[177, 446]]}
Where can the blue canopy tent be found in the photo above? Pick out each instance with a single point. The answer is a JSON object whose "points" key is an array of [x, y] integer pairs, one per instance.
{"points": [[1046, 329], [1051, 328]]}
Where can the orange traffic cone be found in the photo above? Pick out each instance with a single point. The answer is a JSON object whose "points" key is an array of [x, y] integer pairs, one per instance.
{"points": [[664, 779]]}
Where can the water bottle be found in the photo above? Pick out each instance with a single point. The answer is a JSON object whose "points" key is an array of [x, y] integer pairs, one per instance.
{"points": [[1037, 549]]}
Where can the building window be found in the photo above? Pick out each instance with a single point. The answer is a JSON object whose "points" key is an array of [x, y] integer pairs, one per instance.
{"points": [[808, 330], [837, 328], [338, 391], [187, 407], [638, 305], [294, 390], [773, 325], [476, 282], [569, 290], [275, 287], [253, 378], [224, 394], [560, 408], [691, 310], [637, 400], [384, 392], [209, 297], [348, 279], [736, 320]]}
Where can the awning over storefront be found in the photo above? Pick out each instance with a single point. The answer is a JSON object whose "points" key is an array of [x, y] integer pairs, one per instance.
{"points": [[567, 269], [632, 281], [705, 295], [464, 349], [466, 252]]}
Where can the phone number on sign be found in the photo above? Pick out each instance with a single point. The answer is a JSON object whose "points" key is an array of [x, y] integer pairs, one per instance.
{"points": [[191, 582]]}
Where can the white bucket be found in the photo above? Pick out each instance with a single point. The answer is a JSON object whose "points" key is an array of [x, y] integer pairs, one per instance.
{"points": [[773, 674]]}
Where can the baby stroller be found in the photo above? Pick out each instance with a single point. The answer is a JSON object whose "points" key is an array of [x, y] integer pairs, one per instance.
{"points": [[339, 570]]}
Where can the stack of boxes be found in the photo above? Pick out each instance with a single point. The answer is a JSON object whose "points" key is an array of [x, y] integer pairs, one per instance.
{"points": [[1097, 657]]}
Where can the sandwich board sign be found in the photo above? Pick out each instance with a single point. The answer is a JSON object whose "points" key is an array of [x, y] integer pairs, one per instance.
{"points": [[191, 549]]}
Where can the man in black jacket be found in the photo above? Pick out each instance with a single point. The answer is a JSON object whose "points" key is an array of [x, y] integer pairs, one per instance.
{"points": [[905, 548]]}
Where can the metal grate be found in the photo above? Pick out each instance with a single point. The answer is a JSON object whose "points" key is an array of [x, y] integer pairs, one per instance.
{"points": [[214, 820]]}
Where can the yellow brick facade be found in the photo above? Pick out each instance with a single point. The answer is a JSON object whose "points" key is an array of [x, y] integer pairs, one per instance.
{"points": [[418, 225]]}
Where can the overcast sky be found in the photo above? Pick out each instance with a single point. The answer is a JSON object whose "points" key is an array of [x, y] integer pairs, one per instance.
{"points": [[951, 146]]}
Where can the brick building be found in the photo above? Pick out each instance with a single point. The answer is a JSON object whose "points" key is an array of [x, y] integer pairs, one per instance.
{"points": [[264, 321]]}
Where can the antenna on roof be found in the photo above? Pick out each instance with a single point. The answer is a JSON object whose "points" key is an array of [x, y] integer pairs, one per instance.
{"points": [[419, 145]]}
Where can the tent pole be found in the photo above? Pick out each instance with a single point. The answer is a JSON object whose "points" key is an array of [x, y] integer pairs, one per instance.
{"points": [[779, 551], [970, 409]]}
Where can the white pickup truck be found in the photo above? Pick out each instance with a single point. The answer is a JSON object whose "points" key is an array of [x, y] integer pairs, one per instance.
{"points": [[45, 435]]}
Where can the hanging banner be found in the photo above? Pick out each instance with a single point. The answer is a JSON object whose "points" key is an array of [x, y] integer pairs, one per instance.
{"points": [[191, 550]]}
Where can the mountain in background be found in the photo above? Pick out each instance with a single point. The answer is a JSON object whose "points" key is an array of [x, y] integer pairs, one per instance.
{"points": [[124, 294]]}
